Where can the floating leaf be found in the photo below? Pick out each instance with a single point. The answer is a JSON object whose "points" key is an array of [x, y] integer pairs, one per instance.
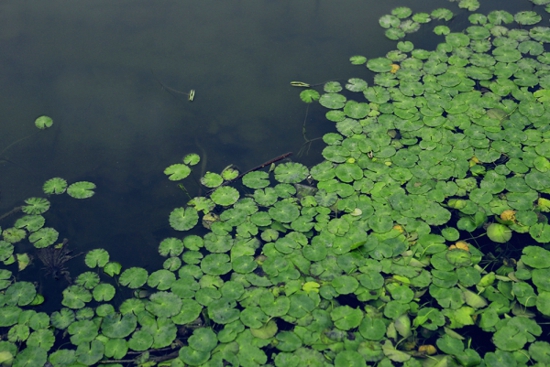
{"points": [[164, 304], [527, 17], [379, 65], [211, 179], [183, 219], [171, 247], [36, 206], [44, 237], [177, 171], [55, 185], [332, 100], [97, 258], [43, 122], [134, 277], [81, 190], [291, 172], [20, 294], [141, 340], [309, 95], [13, 235], [358, 60], [192, 159], [225, 196], [388, 21], [284, 212], [401, 12], [31, 223]]}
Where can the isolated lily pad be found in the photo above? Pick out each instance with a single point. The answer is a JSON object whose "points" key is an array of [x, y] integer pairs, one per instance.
{"points": [[191, 159], [309, 95], [177, 171], [358, 59], [81, 190], [43, 122]]}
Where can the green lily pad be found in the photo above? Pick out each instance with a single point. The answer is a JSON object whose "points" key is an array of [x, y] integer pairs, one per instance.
{"points": [[171, 247], [442, 14], [225, 196], [36, 206], [20, 294], [500, 16], [140, 341], [401, 12], [346, 318], [388, 21], [332, 100], [177, 171], [291, 172], [527, 17], [183, 219], [44, 237], [161, 279], [356, 85], [81, 190], [191, 159], [43, 122], [55, 185], [164, 304], [256, 179], [31, 223], [13, 235], [203, 339], [216, 264], [118, 326], [536, 257], [193, 357], [358, 59], [97, 258], [379, 65], [134, 277], [310, 95], [211, 179]]}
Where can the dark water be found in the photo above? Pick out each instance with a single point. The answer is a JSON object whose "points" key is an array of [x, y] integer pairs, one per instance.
{"points": [[88, 66]]}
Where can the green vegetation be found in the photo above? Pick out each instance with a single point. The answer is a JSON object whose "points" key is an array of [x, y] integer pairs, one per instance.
{"points": [[421, 239], [42, 123]]}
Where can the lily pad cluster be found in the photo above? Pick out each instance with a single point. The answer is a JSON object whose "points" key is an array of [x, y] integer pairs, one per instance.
{"points": [[375, 256], [31, 226]]}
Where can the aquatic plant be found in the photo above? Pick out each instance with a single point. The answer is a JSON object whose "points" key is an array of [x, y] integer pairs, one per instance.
{"points": [[382, 254], [41, 122]]}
